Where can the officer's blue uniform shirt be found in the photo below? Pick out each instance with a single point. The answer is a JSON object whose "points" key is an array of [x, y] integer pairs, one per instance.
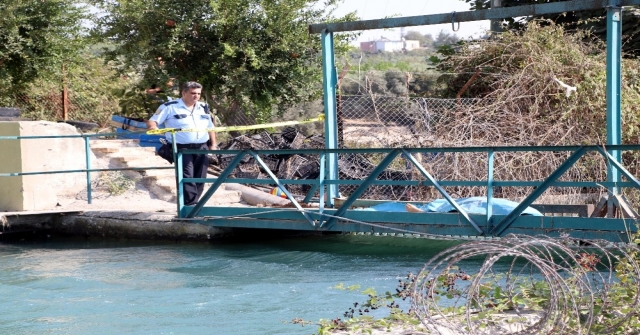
{"points": [[175, 114]]}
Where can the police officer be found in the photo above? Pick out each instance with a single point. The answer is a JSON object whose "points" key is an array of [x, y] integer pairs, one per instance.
{"points": [[183, 113]]}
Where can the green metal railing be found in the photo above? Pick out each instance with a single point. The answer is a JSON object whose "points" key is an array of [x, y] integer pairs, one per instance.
{"points": [[326, 217], [490, 226], [88, 170]]}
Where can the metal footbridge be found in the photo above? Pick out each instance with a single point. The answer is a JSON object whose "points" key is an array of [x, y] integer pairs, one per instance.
{"points": [[329, 217], [319, 210], [344, 217]]}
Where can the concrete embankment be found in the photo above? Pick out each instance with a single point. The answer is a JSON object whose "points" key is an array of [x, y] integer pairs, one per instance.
{"points": [[108, 224]]}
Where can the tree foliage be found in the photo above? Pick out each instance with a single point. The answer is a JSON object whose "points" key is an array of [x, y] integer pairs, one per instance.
{"points": [[445, 38], [92, 93], [251, 54], [593, 20], [37, 38]]}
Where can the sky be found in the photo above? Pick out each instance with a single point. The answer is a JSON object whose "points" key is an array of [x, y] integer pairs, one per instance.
{"points": [[379, 9]]}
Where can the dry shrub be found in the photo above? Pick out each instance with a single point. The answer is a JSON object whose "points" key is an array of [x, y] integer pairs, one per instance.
{"points": [[525, 105], [528, 106]]}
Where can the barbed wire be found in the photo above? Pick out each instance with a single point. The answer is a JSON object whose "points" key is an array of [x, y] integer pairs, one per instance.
{"points": [[529, 285]]}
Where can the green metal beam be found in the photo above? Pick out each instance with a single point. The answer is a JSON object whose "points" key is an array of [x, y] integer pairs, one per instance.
{"points": [[477, 15], [365, 183], [504, 224], [614, 80], [616, 230], [216, 184], [442, 191], [330, 82]]}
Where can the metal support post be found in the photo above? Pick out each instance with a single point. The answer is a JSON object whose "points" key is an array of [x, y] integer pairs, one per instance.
{"points": [[496, 24], [490, 158], [614, 79], [87, 157], [177, 161], [329, 80]]}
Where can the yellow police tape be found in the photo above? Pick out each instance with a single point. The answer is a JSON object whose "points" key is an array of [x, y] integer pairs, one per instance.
{"points": [[236, 128]]}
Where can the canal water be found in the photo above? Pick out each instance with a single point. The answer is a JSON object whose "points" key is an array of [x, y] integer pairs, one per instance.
{"points": [[77, 286]]}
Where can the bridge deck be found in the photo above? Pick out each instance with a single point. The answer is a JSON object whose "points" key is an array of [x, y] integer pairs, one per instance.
{"points": [[408, 224]]}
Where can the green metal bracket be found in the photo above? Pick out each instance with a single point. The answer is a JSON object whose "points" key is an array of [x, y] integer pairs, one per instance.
{"points": [[360, 190], [88, 165], [442, 191], [490, 161], [282, 187], [504, 224], [619, 167], [221, 178], [177, 159]]}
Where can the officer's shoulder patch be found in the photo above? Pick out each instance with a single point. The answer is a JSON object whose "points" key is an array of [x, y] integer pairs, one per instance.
{"points": [[170, 103]]}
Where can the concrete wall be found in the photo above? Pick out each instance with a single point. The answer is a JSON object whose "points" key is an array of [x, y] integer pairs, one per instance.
{"points": [[411, 45], [11, 162], [38, 192]]}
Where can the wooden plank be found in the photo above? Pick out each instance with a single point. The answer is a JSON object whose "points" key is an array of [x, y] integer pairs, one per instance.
{"points": [[601, 209], [579, 210], [11, 118], [624, 208], [9, 219]]}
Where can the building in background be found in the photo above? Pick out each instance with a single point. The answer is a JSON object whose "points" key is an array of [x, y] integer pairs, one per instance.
{"points": [[389, 46]]}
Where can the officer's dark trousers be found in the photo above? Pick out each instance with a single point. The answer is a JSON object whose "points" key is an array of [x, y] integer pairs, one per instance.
{"points": [[193, 166]]}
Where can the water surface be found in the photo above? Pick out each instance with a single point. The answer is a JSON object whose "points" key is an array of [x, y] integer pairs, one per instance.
{"points": [[77, 286]]}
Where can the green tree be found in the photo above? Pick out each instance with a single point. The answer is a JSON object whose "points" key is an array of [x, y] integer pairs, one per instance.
{"points": [[251, 55], [397, 82], [36, 38], [594, 20], [92, 93], [424, 84], [444, 38]]}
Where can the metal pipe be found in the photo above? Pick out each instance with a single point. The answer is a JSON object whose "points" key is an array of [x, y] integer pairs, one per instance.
{"points": [[330, 82], [478, 15], [496, 25], [88, 162], [490, 161], [614, 80]]}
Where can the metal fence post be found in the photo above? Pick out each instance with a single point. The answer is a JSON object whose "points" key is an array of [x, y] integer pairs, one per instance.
{"points": [[88, 162], [614, 79], [331, 124]]}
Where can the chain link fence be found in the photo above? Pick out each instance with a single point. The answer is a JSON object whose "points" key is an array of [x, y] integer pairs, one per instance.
{"points": [[388, 122], [55, 105], [366, 121], [384, 121], [90, 97]]}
